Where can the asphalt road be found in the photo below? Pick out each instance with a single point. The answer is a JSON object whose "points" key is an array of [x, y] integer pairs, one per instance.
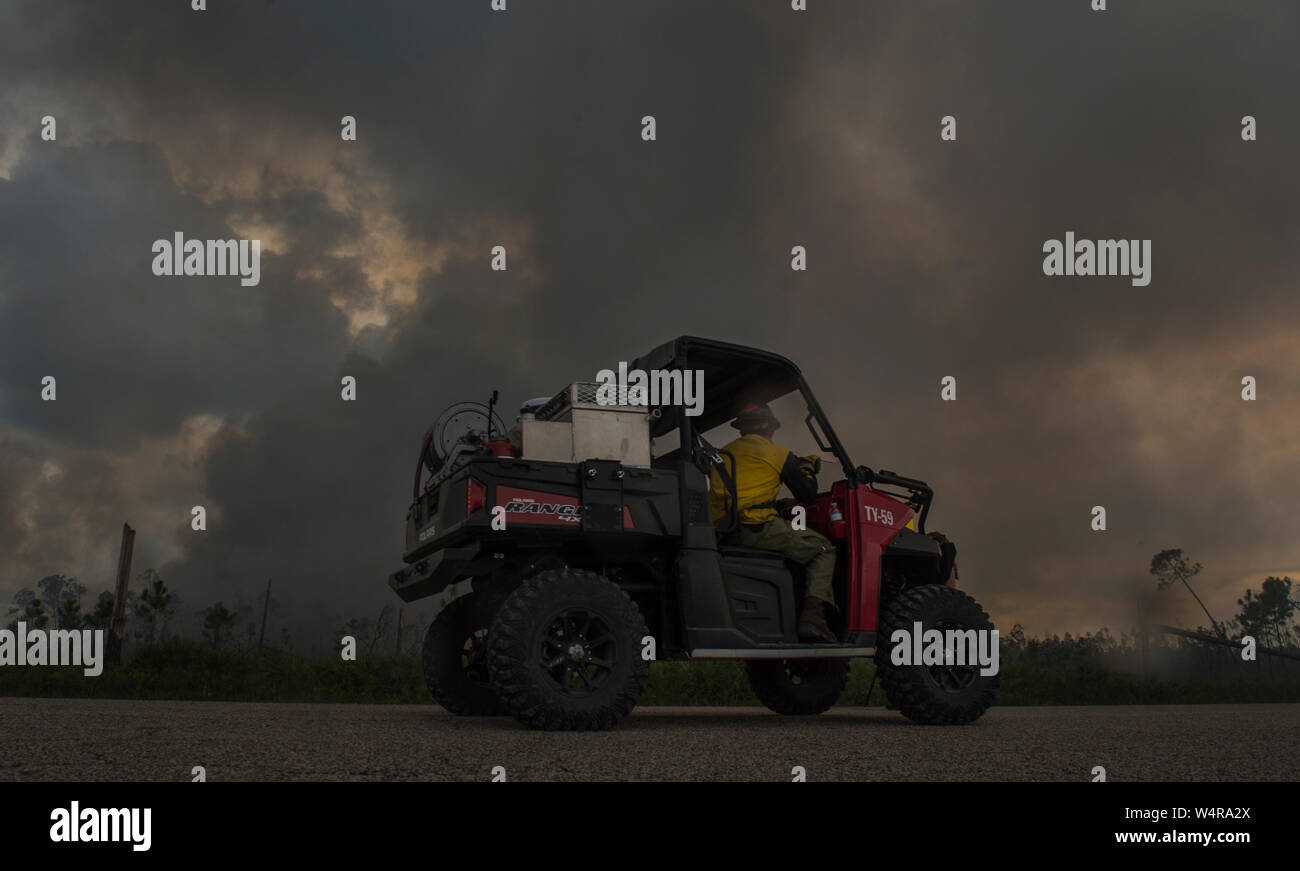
{"points": [[87, 740]]}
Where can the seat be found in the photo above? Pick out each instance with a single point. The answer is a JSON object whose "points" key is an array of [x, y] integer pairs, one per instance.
{"points": [[732, 550]]}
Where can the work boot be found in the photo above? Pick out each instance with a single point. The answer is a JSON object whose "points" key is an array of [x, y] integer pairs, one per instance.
{"points": [[812, 622]]}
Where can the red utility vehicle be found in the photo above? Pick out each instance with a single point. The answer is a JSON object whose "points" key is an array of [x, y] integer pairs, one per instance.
{"points": [[587, 554]]}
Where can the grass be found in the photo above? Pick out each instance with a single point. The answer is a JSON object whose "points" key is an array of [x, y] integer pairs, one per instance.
{"points": [[190, 671]]}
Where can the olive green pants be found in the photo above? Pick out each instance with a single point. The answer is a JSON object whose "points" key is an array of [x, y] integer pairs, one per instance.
{"points": [[810, 549]]}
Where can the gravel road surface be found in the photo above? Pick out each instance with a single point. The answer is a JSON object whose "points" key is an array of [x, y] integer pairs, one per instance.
{"points": [[86, 740]]}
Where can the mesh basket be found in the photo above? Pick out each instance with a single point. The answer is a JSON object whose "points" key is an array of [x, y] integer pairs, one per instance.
{"points": [[581, 394]]}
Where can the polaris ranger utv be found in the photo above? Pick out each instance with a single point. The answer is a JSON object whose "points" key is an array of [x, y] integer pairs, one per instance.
{"points": [[589, 546]]}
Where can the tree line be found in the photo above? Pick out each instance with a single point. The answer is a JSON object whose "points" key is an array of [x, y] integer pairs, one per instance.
{"points": [[152, 616], [56, 601]]}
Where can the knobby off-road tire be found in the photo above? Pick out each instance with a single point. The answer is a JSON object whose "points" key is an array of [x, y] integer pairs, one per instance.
{"points": [[455, 660], [564, 652], [798, 686], [934, 695]]}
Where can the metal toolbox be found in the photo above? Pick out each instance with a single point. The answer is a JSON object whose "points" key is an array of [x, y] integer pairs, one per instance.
{"points": [[574, 426]]}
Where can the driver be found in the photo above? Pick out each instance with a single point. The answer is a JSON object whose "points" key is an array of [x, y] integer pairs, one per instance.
{"points": [[761, 467]]}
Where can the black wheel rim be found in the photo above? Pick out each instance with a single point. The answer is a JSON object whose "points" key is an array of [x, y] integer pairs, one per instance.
{"points": [[473, 658], [952, 678], [578, 651]]}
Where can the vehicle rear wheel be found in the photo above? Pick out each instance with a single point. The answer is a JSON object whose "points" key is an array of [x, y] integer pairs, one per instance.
{"points": [[455, 660], [946, 694], [564, 652], [798, 686]]}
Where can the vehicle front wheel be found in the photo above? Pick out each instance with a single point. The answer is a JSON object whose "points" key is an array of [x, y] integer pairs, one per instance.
{"points": [[946, 693], [564, 652]]}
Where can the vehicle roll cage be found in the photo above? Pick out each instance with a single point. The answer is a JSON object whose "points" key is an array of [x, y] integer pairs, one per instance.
{"points": [[785, 378]]}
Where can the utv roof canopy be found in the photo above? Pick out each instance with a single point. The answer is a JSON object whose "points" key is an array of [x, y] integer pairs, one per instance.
{"points": [[735, 375]]}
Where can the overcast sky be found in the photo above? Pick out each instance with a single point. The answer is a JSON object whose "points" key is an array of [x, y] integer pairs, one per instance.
{"points": [[775, 128]]}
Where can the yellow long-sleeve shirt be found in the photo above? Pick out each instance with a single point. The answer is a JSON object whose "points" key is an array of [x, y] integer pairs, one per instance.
{"points": [[761, 467]]}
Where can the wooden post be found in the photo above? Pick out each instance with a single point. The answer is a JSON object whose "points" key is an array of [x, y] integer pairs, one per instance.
{"points": [[399, 633], [117, 626], [266, 606], [1143, 637]]}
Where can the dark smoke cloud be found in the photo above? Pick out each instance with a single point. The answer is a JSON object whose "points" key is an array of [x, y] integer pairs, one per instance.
{"points": [[775, 129]]}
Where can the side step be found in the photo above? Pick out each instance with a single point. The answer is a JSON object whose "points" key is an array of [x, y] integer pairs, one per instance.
{"points": [[823, 651]]}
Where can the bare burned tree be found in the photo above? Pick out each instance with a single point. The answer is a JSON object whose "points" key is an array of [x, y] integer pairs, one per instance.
{"points": [[1171, 567], [382, 624]]}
